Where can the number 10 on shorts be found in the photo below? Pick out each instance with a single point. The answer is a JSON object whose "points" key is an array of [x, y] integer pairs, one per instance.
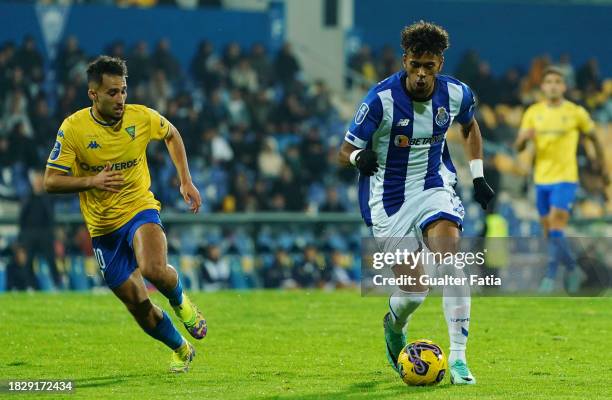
{"points": [[100, 259]]}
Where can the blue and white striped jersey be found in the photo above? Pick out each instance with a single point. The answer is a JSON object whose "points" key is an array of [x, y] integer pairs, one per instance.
{"points": [[409, 138]]}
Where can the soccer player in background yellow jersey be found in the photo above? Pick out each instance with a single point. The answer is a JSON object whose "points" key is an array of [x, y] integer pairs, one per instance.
{"points": [[100, 152], [554, 125]]}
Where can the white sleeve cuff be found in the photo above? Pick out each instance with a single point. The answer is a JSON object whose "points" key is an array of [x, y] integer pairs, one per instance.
{"points": [[476, 168]]}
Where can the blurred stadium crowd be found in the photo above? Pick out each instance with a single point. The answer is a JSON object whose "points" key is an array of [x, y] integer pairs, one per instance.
{"points": [[259, 137]]}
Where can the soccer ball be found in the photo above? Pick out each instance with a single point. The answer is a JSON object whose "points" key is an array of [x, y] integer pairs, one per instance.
{"points": [[421, 363]]}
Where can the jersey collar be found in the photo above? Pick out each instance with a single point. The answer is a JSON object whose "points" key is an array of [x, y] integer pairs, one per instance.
{"points": [[97, 120]]}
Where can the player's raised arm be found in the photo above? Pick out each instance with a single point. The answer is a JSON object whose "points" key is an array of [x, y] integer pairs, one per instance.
{"points": [[176, 148], [483, 193]]}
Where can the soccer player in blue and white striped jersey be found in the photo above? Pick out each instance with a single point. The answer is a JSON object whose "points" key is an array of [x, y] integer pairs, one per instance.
{"points": [[397, 140]]}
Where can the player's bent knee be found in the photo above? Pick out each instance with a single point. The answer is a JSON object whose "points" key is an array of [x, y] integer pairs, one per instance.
{"points": [[155, 270]]}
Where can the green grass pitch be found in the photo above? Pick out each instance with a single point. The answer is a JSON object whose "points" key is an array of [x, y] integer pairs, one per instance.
{"points": [[305, 345]]}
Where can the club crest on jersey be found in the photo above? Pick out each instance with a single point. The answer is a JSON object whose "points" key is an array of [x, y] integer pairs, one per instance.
{"points": [[56, 151], [442, 117], [401, 141], [361, 113], [131, 130]]}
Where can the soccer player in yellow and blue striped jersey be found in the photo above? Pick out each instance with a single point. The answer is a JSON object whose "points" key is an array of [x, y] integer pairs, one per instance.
{"points": [[555, 125], [100, 152]]}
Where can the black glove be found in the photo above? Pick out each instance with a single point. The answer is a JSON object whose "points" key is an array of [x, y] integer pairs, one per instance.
{"points": [[366, 162], [482, 192]]}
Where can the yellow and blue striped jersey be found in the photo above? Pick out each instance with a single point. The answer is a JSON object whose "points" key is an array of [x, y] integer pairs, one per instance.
{"points": [[83, 147], [557, 130]]}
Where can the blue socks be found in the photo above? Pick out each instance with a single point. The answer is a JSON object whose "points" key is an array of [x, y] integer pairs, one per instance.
{"points": [[558, 252], [175, 296], [166, 332]]}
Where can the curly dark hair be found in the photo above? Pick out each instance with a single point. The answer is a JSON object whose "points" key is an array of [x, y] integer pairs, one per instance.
{"points": [[105, 65], [424, 37]]}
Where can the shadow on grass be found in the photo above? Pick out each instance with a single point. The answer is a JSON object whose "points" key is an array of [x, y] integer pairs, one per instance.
{"points": [[102, 381], [368, 389]]}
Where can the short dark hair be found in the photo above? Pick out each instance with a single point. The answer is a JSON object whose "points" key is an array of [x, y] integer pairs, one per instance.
{"points": [[105, 65], [424, 37], [553, 70]]}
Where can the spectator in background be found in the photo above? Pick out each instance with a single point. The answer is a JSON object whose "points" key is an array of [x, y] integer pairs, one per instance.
{"points": [[70, 57], [337, 272], [23, 147], [36, 227], [485, 85], [140, 64], [332, 203], [232, 55], [312, 152], [215, 269], [243, 77], [116, 49], [164, 60], [307, 273], [587, 77], [29, 59], [16, 113], [19, 272], [159, 91], [269, 161], [7, 158], [260, 109], [214, 148], [238, 113], [531, 83], [467, 68], [320, 105], [362, 64], [261, 64], [286, 65], [291, 189], [509, 88], [278, 275], [202, 60], [565, 66], [387, 63], [215, 112]]}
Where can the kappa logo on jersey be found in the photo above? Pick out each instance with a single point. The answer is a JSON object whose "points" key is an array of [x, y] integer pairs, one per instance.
{"points": [[361, 113], [131, 130], [403, 122], [56, 151], [60, 134], [93, 145], [442, 117]]}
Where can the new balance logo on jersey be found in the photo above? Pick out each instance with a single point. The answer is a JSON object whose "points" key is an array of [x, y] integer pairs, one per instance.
{"points": [[93, 145], [403, 122]]}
